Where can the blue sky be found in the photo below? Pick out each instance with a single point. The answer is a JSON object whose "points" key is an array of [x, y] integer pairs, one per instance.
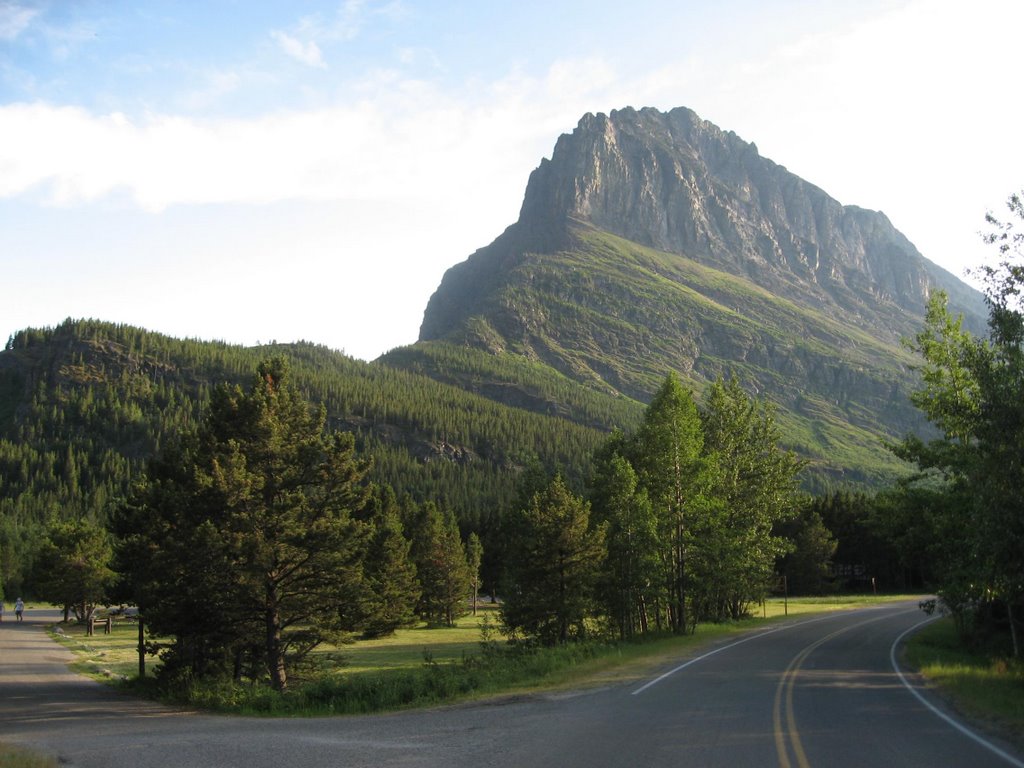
{"points": [[251, 171]]}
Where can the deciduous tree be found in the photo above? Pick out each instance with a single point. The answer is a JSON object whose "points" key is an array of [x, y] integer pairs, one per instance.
{"points": [[666, 454], [753, 485], [632, 582], [72, 568]]}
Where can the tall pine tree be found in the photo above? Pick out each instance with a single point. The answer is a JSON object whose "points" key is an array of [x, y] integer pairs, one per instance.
{"points": [[555, 558], [254, 546]]}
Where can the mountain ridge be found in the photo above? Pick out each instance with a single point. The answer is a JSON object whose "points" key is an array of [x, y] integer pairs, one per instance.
{"points": [[679, 184], [654, 241]]}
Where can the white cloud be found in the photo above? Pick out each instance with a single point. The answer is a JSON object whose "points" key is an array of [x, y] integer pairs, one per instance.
{"points": [[307, 53], [14, 19], [66, 155]]}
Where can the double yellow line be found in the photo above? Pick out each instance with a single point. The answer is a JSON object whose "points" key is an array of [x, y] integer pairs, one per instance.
{"points": [[783, 710]]}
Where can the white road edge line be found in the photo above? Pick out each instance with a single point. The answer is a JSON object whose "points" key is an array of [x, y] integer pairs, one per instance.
{"points": [[681, 667], [935, 710]]}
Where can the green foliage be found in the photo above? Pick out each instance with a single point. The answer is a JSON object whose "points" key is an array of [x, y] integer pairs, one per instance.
{"points": [[666, 453], [754, 484], [949, 391], [553, 564], [691, 502], [631, 581], [392, 593], [441, 565], [807, 564], [84, 406], [495, 669], [879, 542], [974, 391], [474, 559], [73, 566], [244, 544]]}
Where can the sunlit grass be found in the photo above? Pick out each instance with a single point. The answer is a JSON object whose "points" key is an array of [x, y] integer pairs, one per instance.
{"points": [[990, 688], [410, 647], [18, 757], [103, 657]]}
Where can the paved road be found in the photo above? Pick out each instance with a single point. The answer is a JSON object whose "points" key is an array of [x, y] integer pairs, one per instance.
{"points": [[814, 692]]}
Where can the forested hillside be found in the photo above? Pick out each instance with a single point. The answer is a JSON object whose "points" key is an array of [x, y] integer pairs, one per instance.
{"points": [[85, 405]]}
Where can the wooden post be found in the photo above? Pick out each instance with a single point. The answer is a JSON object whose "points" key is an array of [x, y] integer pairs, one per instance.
{"points": [[142, 650], [108, 625]]}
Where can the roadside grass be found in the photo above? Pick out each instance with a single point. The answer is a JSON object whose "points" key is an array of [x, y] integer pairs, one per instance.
{"points": [[985, 686], [107, 658], [426, 666], [17, 757]]}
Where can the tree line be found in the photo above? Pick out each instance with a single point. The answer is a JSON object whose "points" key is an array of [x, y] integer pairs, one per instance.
{"points": [[679, 525], [256, 536], [84, 405]]}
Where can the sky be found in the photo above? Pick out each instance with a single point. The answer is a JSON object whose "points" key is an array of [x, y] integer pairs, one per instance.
{"points": [[251, 171]]}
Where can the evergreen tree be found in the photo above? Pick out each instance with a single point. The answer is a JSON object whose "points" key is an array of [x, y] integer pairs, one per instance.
{"points": [[474, 558], [444, 576], [254, 521], [392, 589], [555, 559], [807, 564]]}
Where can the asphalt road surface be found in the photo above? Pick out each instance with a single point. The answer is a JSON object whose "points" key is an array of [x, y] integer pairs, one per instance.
{"points": [[820, 691]]}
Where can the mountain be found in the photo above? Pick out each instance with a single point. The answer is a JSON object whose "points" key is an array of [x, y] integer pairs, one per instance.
{"points": [[649, 242], [655, 241]]}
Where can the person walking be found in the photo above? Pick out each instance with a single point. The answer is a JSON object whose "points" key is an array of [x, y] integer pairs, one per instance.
{"points": [[19, 608], [1, 610]]}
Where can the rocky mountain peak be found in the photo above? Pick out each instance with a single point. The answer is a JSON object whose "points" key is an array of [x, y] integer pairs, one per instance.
{"points": [[677, 183], [655, 241]]}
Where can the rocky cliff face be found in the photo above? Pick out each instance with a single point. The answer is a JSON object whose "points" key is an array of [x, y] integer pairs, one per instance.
{"points": [[675, 182]]}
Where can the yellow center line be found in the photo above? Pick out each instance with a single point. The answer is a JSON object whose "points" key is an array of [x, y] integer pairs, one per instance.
{"points": [[784, 691]]}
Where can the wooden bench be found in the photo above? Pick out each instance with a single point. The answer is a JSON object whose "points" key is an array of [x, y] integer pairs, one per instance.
{"points": [[106, 621]]}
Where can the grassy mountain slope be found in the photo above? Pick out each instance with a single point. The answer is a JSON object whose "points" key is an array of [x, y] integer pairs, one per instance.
{"points": [[616, 317]]}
